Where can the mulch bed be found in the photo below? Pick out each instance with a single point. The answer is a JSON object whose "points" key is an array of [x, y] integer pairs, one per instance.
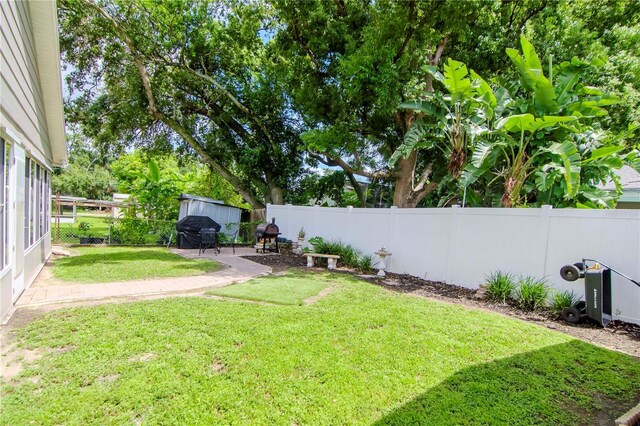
{"points": [[618, 335], [281, 262]]}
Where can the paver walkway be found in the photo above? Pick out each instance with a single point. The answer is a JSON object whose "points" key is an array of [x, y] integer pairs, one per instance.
{"points": [[238, 270]]}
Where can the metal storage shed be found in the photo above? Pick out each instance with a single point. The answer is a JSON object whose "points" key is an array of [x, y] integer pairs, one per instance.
{"points": [[227, 216]]}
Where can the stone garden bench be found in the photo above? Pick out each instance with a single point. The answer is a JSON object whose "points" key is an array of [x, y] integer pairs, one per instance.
{"points": [[332, 259]]}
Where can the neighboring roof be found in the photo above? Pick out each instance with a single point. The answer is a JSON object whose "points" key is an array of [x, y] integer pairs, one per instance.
{"points": [[629, 179], [188, 197], [44, 27]]}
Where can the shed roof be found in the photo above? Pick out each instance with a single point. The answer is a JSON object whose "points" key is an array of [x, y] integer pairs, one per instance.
{"points": [[189, 197]]}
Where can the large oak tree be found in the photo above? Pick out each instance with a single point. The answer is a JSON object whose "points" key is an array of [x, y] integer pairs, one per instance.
{"points": [[349, 64], [189, 73]]}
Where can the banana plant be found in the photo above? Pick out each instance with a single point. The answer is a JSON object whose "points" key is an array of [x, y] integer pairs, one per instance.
{"points": [[449, 121], [538, 143], [156, 191], [514, 152], [545, 141]]}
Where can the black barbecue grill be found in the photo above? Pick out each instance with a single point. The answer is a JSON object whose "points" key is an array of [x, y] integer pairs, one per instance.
{"points": [[208, 239], [190, 231], [267, 231]]}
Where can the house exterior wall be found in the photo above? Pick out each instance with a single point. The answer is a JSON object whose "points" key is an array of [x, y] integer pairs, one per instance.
{"points": [[20, 91], [32, 138], [462, 246]]}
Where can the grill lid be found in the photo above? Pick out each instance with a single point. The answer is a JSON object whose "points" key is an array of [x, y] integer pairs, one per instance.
{"points": [[196, 223], [268, 229]]}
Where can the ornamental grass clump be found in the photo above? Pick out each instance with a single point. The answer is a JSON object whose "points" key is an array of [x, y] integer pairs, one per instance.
{"points": [[349, 255], [365, 263], [500, 286], [531, 293], [563, 299]]}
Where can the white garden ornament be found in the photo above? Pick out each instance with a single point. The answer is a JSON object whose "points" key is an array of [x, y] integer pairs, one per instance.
{"points": [[382, 254]]}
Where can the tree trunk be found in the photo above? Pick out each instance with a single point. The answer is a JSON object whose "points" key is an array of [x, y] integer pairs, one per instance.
{"points": [[407, 194], [403, 193], [276, 195]]}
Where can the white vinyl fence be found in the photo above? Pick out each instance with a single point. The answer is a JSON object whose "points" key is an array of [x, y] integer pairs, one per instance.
{"points": [[462, 245]]}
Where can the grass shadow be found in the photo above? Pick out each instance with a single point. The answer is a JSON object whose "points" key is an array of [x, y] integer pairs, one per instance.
{"points": [[573, 383]]}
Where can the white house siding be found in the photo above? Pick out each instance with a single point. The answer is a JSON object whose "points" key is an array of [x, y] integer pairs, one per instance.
{"points": [[21, 92], [32, 126]]}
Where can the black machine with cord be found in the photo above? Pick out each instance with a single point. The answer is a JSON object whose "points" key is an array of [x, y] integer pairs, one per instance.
{"points": [[597, 291]]}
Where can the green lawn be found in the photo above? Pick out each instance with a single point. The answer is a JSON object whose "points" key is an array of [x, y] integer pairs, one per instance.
{"points": [[288, 290], [360, 355], [70, 233], [106, 264]]}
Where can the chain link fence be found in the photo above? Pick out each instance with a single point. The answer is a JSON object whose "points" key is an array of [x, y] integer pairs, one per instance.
{"points": [[95, 228]]}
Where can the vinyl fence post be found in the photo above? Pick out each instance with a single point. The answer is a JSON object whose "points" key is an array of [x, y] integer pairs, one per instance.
{"points": [[348, 233], [543, 242], [391, 236], [316, 221], [451, 253]]}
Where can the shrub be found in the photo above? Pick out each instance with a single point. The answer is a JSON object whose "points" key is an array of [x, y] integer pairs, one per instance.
{"points": [[247, 232], [531, 293], [315, 241], [500, 286], [84, 227], [165, 233], [365, 263], [130, 231], [564, 299], [349, 255]]}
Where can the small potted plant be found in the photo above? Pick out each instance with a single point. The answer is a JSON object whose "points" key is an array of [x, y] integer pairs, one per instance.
{"points": [[301, 235], [84, 228]]}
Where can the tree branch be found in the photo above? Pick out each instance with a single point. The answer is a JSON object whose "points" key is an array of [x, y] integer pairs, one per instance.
{"points": [[533, 12], [435, 59], [231, 97], [356, 188], [410, 31], [335, 161], [423, 177], [342, 9], [298, 38], [170, 122]]}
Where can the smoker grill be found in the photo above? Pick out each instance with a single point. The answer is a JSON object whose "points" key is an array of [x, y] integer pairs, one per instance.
{"points": [[267, 231], [189, 230], [597, 284]]}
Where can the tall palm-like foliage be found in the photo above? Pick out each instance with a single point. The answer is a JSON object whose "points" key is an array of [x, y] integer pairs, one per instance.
{"points": [[449, 122], [540, 138]]}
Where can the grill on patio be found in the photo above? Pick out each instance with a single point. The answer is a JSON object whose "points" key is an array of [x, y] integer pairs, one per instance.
{"points": [[208, 239], [192, 229], [267, 231]]}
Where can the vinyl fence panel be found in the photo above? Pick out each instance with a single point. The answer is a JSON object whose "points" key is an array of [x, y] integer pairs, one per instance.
{"points": [[462, 246]]}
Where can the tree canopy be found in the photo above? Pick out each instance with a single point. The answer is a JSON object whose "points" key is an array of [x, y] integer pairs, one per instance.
{"points": [[193, 75], [263, 90]]}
